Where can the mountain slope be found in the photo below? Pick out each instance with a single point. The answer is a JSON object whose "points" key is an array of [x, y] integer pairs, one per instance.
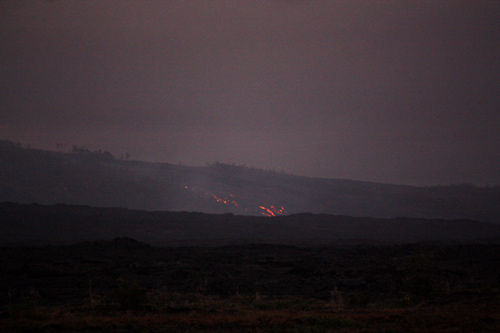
{"points": [[98, 179]]}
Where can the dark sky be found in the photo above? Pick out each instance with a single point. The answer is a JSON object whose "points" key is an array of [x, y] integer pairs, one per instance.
{"points": [[399, 91]]}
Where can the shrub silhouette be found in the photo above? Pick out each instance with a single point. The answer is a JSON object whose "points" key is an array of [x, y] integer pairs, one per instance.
{"points": [[418, 274], [129, 295]]}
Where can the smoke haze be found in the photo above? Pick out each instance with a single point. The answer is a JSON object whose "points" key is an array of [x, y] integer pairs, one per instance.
{"points": [[393, 91]]}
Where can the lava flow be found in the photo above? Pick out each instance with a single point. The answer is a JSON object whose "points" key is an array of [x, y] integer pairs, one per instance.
{"points": [[266, 211], [223, 200], [272, 211]]}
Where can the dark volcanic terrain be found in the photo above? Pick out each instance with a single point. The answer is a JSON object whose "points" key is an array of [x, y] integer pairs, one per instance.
{"points": [[64, 224], [123, 285], [86, 269], [362, 273], [89, 243]]}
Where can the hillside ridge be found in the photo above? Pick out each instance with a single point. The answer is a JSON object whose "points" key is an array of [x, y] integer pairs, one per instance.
{"points": [[35, 224], [97, 178]]}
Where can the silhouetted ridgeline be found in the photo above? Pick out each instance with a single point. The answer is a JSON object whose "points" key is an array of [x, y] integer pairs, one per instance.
{"points": [[83, 177], [60, 224]]}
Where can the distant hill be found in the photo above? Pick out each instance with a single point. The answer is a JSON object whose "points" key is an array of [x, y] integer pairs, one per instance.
{"points": [[97, 178], [62, 224]]}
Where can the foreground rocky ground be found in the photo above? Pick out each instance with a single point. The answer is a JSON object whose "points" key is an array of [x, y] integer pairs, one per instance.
{"points": [[124, 285]]}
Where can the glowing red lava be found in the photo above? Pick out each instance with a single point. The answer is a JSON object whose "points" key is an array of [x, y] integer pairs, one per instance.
{"points": [[272, 211], [223, 200], [231, 200]]}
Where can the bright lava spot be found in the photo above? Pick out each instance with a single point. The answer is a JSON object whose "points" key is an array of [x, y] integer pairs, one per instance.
{"points": [[222, 200], [231, 200], [272, 211]]}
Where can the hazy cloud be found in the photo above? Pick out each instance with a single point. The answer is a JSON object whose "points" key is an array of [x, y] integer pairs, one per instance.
{"points": [[393, 91]]}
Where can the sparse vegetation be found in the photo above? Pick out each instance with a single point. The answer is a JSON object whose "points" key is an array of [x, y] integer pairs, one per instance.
{"points": [[129, 295], [201, 313], [418, 275], [124, 285]]}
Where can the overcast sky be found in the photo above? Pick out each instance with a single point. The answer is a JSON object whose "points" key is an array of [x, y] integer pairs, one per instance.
{"points": [[403, 92]]}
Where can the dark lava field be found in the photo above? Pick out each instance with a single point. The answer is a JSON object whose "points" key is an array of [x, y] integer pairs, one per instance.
{"points": [[361, 273]]}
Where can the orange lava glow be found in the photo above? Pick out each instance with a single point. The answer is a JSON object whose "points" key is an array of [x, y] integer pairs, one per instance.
{"points": [[223, 200], [231, 200], [272, 211]]}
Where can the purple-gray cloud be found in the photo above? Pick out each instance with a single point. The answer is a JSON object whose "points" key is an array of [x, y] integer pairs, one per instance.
{"points": [[386, 91]]}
